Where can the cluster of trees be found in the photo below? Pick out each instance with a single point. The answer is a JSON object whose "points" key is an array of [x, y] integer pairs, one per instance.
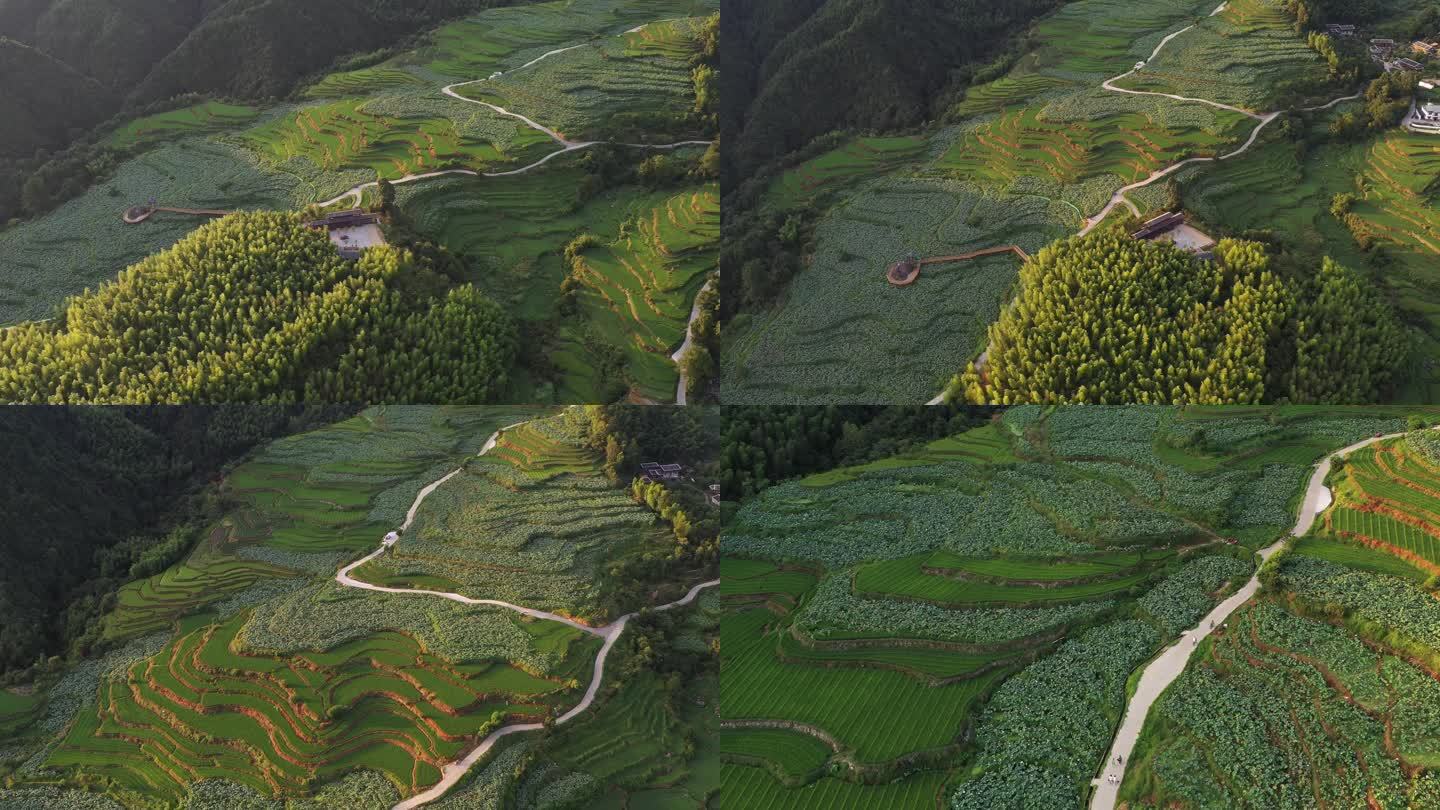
{"points": [[258, 307], [765, 445], [1387, 100], [796, 69], [1312, 14], [96, 497], [661, 126], [1109, 319]]}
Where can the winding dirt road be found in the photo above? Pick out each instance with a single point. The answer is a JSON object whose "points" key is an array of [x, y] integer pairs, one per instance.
{"points": [[454, 771], [566, 145], [1165, 668]]}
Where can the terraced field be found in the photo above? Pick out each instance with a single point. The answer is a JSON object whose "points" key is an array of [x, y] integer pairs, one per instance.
{"points": [[278, 724], [1241, 57], [211, 116], [1088, 135], [835, 171], [1388, 498], [346, 135], [638, 290], [904, 623], [532, 524], [577, 93]]}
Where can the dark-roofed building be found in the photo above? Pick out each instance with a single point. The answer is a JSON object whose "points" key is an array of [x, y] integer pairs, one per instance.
{"points": [[351, 231]]}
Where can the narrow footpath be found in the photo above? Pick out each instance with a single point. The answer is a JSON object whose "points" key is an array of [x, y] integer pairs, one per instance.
{"points": [[455, 771], [1166, 667]]}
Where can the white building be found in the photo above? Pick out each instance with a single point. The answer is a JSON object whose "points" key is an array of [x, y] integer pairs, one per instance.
{"points": [[390, 539]]}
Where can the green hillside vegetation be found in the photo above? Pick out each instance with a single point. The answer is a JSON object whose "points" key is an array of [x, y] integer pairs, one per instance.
{"points": [[141, 470], [1231, 331], [533, 522], [884, 62], [1324, 685], [213, 319], [1029, 147], [903, 623], [248, 675]]}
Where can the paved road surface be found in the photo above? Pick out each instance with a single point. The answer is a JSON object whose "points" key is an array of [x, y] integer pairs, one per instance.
{"points": [[1163, 671]]}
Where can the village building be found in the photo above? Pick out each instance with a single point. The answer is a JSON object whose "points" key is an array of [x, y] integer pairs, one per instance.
{"points": [[1425, 119], [1408, 64], [351, 231], [1425, 48], [1340, 30], [390, 539], [656, 471], [1172, 227], [1382, 48]]}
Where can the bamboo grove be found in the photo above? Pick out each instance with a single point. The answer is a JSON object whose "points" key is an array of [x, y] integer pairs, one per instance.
{"points": [[257, 307], [1106, 319]]}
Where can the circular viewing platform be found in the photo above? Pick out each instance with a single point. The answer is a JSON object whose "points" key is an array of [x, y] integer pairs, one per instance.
{"points": [[904, 272]]}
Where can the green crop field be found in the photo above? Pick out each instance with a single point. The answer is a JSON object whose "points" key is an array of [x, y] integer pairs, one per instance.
{"points": [[210, 116], [1388, 498], [1020, 570], [533, 524], [246, 662], [577, 92], [1315, 716]]}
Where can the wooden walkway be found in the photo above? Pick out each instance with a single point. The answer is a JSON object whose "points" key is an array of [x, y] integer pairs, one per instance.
{"points": [[137, 214], [909, 274]]}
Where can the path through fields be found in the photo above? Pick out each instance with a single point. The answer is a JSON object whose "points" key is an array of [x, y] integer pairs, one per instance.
{"points": [[1119, 198], [1165, 668], [565, 144], [456, 770]]}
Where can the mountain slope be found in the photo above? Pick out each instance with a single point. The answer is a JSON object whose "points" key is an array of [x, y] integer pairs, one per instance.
{"points": [[817, 65]]}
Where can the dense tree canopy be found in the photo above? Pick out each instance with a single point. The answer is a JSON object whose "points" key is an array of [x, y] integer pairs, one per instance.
{"points": [[878, 64], [257, 307], [91, 496], [1109, 319], [761, 446]]}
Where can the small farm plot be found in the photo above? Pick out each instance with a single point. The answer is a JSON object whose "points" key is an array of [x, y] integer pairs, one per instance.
{"points": [[844, 331], [578, 92], [753, 786], [84, 242], [1389, 499]]}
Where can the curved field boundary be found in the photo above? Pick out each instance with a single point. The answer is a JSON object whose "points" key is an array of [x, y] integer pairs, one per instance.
{"points": [[1168, 665], [455, 771], [909, 278]]}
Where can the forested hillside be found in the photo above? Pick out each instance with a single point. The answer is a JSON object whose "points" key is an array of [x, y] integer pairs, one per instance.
{"points": [[92, 497], [258, 307], [79, 62], [883, 66]]}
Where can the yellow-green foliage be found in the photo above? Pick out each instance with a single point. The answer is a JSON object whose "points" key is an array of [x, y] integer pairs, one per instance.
{"points": [[259, 307], [1112, 319]]}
